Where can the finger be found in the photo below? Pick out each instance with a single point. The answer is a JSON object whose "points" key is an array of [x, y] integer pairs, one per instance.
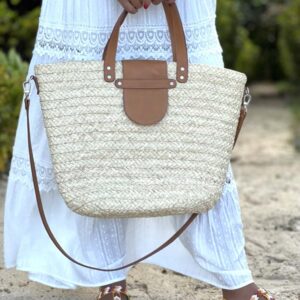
{"points": [[128, 6], [136, 3], [156, 2], [147, 3]]}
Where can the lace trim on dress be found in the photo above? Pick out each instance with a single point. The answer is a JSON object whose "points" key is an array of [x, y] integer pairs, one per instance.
{"points": [[20, 172], [152, 43]]}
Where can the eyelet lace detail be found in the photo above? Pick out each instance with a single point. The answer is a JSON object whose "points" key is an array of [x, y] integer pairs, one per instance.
{"points": [[20, 172], [80, 42]]}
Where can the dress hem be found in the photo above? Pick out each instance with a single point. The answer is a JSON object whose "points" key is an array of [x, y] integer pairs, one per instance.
{"points": [[205, 280], [23, 268], [28, 270]]}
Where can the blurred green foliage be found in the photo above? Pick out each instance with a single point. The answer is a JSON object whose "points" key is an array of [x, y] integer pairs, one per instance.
{"points": [[18, 28], [12, 73], [289, 55], [260, 18], [261, 37], [289, 41], [239, 51]]}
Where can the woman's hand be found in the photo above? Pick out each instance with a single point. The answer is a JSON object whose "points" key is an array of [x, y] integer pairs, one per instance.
{"points": [[132, 6], [159, 1]]}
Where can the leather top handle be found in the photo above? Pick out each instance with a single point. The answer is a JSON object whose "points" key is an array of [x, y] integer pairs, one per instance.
{"points": [[180, 53], [170, 26]]}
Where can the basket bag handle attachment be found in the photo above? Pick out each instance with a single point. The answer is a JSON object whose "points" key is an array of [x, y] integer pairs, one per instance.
{"points": [[178, 42]]}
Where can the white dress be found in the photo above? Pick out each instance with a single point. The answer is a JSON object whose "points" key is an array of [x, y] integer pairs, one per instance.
{"points": [[211, 250]]}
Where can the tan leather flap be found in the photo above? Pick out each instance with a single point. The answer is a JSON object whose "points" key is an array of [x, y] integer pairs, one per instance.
{"points": [[145, 93]]}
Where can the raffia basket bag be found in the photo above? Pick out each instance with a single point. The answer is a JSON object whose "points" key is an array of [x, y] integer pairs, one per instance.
{"points": [[138, 138]]}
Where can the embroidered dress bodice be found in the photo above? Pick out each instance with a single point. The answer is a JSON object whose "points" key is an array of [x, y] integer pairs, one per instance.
{"points": [[82, 31]]}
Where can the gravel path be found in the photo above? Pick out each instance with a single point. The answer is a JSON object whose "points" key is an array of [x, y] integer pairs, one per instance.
{"points": [[267, 173]]}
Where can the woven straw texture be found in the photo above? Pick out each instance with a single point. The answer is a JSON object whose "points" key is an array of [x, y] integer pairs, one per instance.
{"points": [[107, 166]]}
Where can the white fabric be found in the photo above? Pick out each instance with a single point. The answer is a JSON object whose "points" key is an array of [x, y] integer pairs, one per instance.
{"points": [[75, 29], [211, 250]]}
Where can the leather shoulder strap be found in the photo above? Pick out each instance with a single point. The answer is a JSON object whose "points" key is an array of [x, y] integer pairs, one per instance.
{"points": [[49, 231]]}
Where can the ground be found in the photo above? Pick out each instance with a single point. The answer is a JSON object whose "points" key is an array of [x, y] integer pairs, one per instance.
{"points": [[267, 169]]}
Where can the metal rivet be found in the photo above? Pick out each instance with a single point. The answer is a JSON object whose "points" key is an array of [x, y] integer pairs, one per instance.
{"points": [[119, 83], [108, 67], [172, 83], [109, 76], [182, 77], [182, 69]]}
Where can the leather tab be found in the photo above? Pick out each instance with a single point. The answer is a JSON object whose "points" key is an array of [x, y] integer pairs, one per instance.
{"points": [[145, 106], [181, 51], [146, 84], [243, 114], [178, 41], [27, 102], [34, 78], [110, 50]]}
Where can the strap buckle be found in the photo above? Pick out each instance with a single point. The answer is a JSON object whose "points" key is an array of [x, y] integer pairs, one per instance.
{"points": [[246, 98], [27, 87]]}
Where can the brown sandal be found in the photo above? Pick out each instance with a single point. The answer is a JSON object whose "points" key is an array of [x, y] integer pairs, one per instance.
{"points": [[261, 294], [115, 292]]}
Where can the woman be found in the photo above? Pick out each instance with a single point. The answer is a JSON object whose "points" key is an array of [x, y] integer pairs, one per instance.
{"points": [[211, 250]]}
